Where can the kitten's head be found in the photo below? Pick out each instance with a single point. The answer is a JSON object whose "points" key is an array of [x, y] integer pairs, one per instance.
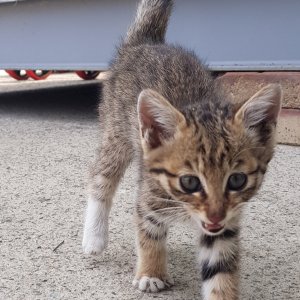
{"points": [[211, 161]]}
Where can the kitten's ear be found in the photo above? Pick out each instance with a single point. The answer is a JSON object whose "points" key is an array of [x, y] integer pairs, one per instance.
{"points": [[265, 105], [158, 119]]}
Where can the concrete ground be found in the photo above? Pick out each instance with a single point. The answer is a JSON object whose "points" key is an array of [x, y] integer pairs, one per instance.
{"points": [[47, 140]]}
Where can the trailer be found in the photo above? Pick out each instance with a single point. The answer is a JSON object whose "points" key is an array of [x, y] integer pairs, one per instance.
{"points": [[82, 34]]}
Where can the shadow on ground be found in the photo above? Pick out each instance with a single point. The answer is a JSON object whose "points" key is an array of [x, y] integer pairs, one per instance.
{"points": [[70, 101]]}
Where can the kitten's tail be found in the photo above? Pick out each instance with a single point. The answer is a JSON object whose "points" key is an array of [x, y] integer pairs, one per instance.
{"points": [[150, 23]]}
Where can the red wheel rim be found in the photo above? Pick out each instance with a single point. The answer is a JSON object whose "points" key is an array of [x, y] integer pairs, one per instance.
{"points": [[17, 74], [38, 74], [86, 75]]}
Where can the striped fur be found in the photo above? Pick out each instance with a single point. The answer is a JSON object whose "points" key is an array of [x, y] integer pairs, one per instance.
{"points": [[150, 23], [162, 107]]}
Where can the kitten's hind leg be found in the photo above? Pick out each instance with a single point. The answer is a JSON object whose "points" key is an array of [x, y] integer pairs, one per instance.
{"points": [[112, 160]]}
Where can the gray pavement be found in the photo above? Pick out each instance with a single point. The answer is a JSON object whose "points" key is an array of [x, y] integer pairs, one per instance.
{"points": [[47, 140]]}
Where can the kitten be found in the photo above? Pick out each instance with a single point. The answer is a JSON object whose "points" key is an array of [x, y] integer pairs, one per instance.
{"points": [[200, 156]]}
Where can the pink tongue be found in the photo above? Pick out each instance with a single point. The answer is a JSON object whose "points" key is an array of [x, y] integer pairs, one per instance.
{"points": [[213, 226]]}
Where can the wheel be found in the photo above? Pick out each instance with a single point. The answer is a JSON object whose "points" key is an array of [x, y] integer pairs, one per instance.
{"points": [[86, 75], [38, 74], [17, 74]]}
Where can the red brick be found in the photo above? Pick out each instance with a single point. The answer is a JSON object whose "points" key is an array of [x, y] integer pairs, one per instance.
{"points": [[289, 127], [242, 85]]}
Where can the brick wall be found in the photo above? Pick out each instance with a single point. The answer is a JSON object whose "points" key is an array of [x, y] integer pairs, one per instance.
{"points": [[243, 85]]}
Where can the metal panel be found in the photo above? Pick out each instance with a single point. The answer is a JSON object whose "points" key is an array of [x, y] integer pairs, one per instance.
{"points": [[82, 34], [5, 1]]}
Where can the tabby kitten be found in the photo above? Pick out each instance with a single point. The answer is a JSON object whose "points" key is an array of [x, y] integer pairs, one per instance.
{"points": [[201, 157]]}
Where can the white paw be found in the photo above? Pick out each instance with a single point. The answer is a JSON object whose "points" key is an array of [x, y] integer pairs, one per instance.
{"points": [[152, 284], [93, 244]]}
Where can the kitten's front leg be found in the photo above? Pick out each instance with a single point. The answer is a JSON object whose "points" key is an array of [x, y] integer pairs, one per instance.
{"points": [[151, 274], [219, 256], [95, 234], [111, 162]]}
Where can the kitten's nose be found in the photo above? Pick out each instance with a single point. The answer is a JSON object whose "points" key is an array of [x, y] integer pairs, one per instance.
{"points": [[215, 219]]}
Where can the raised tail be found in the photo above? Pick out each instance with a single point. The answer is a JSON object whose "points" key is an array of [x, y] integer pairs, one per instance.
{"points": [[151, 22]]}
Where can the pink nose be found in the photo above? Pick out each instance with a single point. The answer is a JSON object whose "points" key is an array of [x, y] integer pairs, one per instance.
{"points": [[215, 219]]}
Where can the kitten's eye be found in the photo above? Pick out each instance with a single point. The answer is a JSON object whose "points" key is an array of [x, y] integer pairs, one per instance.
{"points": [[237, 181], [190, 184]]}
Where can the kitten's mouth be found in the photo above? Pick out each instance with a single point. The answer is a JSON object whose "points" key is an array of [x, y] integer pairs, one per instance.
{"points": [[213, 228]]}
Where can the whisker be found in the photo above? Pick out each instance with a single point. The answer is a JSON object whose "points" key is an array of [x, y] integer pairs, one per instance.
{"points": [[163, 200], [169, 209], [174, 215], [163, 211], [167, 200], [166, 210], [239, 206], [177, 217], [184, 218], [171, 218]]}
